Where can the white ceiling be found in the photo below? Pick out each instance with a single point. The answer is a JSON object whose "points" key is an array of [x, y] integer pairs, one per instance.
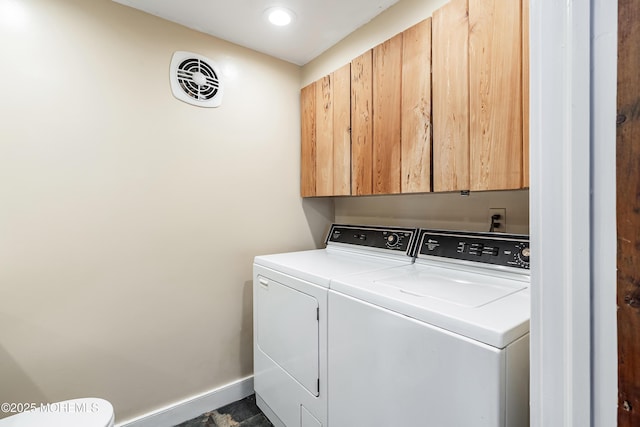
{"points": [[318, 25]]}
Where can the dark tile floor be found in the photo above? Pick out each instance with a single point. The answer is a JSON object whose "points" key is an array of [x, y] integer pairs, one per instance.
{"points": [[243, 413]]}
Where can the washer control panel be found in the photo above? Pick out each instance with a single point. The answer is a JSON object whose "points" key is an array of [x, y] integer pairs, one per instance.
{"points": [[397, 239], [509, 250]]}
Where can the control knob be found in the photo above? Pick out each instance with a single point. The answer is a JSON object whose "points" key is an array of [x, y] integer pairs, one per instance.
{"points": [[523, 256], [392, 239]]}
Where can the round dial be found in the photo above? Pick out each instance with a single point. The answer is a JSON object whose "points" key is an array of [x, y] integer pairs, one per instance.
{"points": [[523, 255], [392, 239]]}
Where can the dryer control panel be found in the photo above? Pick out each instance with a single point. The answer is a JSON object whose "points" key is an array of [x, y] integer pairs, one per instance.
{"points": [[508, 250], [395, 239]]}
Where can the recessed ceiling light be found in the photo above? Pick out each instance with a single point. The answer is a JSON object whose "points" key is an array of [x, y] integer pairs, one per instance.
{"points": [[279, 16]]}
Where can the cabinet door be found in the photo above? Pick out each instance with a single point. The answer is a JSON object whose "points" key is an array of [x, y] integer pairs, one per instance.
{"points": [[342, 131], [362, 125], [416, 109], [495, 84], [387, 87], [308, 141], [324, 136], [525, 93], [332, 134], [451, 97]]}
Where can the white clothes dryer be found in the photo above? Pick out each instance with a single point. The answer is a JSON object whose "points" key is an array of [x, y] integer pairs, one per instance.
{"points": [[443, 342], [290, 316]]}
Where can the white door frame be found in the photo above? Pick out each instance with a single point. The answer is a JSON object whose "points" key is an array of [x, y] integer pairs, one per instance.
{"points": [[573, 107]]}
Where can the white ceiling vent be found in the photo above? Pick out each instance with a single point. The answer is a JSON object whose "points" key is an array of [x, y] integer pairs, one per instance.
{"points": [[195, 80]]}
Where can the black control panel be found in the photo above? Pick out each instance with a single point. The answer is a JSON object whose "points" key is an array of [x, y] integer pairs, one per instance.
{"points": [[398, 239], [509, 250]]}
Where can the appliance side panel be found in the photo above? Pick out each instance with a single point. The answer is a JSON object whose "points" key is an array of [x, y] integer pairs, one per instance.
{"points": [[518, 383]]}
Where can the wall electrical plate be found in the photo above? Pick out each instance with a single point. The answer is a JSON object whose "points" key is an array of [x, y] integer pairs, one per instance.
{"points": [[499, 225]]}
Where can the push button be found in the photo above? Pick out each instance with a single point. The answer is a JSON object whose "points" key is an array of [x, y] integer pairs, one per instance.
{"points": [[432, 244], [490, 251], [476, 249]]}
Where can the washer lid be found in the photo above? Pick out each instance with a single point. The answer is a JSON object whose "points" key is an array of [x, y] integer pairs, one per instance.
{"points": [[494, 310], [85, 412], [453, 286]]}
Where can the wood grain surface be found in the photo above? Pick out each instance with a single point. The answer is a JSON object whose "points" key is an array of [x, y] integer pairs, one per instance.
{"points": [[415, 168], [342, 131], [387, 89], [628, 213], [525, 93], [362, 124], [324, 136], [495, 87], [451, 97], [308, 141]]}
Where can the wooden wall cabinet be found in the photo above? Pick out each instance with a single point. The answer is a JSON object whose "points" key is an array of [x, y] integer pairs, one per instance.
{"points": [[366, 128], [480, 107], [325, 136]]}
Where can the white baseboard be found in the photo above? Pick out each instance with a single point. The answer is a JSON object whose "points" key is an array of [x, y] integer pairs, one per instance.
{"points": [[193, 407]]}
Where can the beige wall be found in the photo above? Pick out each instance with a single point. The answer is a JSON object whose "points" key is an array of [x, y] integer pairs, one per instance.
{"points": [[128, 219], [443, 210]]}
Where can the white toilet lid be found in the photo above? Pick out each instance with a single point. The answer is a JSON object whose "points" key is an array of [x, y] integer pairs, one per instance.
{"points": [[86, 412]]}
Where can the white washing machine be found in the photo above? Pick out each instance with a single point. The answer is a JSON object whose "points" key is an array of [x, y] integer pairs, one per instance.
{"points": [[290, 316], [440, 343]]}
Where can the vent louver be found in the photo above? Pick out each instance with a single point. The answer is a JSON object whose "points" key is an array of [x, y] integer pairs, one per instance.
{"points": [[195, 80]]}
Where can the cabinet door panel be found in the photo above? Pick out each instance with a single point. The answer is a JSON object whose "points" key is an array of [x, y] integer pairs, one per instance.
{"points": [[341, 131], [387, 86], [361, 125], [416, 109], [525, 93], [324, 136], [495, 82], [308, 141], [451, 97]]}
